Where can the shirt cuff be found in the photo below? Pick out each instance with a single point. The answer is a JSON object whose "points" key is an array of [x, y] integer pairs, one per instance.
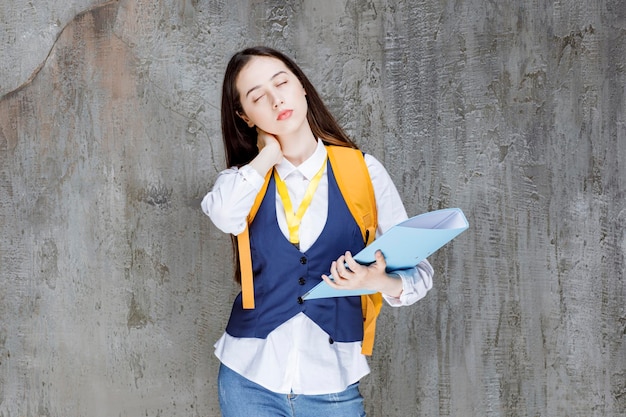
{"points": [[251, 176], [416, 282], [398, 301]]}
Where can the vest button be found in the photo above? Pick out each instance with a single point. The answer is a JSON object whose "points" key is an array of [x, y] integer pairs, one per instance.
{"points": [[301, 281], [300, 300], [330, 340], [303, 260]]}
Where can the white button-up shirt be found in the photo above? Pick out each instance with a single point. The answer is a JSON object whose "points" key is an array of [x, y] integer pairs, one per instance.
{"points": [[297, 357]]}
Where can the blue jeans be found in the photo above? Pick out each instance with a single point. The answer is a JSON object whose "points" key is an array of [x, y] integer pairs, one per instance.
{"points": [[240, 397]]}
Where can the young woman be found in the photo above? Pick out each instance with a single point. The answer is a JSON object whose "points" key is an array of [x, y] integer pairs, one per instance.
{"points": [[288, 358]]}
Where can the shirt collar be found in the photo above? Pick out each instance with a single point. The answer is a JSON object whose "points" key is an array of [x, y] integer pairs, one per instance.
{"points": [[308, 168]]}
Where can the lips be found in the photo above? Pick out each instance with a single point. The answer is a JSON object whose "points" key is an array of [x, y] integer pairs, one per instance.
{"points": [[285, 114]]}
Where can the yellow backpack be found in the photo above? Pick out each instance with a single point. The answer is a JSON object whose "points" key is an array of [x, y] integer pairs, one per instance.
{"points": [[356, 188]]}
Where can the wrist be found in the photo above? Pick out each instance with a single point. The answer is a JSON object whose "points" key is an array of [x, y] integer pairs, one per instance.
{"points": [[393, 286], [265, 160]]}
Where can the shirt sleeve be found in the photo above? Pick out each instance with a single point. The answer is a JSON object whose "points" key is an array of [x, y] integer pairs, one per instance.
{"points": [[416, 281], [388, 203], [232, 197]]}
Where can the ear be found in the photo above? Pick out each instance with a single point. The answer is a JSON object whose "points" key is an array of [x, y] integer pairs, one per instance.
{"points": [[245, 119]]}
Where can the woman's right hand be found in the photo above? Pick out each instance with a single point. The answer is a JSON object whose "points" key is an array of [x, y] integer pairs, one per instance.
{"points": [[269, 142], [270, 152]]}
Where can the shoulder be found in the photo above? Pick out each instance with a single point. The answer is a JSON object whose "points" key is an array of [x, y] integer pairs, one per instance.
{"points": [[344, 156], [376, 169]]}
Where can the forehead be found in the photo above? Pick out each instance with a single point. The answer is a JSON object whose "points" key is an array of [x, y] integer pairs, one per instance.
{"points": [[258, 70]]}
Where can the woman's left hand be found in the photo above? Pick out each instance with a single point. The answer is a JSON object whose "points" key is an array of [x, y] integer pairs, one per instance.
{"points": [[348, 274]]}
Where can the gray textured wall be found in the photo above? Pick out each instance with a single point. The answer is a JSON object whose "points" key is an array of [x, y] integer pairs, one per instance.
{"points": [[114, 285]]}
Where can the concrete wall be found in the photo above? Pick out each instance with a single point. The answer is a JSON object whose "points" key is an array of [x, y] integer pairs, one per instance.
{"points": [[114, 286]]}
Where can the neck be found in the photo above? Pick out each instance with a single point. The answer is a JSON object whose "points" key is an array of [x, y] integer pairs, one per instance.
{"points": [[298, 148]]}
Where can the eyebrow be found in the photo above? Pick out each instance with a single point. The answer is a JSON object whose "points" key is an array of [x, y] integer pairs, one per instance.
{"points": [[272, 77]]}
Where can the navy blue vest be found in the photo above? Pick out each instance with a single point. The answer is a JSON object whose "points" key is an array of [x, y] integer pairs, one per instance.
{"points": [[283, 274]]}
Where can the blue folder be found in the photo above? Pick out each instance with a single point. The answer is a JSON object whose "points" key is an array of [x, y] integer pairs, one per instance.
{"points": [[404, 246]]}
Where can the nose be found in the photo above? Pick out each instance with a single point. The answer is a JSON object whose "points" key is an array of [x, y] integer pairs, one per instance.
{"points": [[277, 100]]}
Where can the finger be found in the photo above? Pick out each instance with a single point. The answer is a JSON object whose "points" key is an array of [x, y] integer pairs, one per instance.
{"points": [[352, 264], [380, 259], [335, 274], [262, 135], [342, 271], [333, 271], [260, 142], [331, 283]]}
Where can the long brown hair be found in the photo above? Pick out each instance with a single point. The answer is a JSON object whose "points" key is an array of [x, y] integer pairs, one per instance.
{"points": [[240, 139]]}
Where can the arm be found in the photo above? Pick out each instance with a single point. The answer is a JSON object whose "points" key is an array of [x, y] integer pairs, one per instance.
{"points": [[235, 189], [231, 198], [399, 288], [416, 282]]}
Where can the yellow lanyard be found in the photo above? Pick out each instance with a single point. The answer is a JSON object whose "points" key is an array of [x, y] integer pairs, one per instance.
{"points": [[294, 219]]}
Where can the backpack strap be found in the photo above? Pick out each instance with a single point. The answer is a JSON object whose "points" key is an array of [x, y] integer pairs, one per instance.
{"points": [[370, 305], [355, 185], [243, 245], [356, 188]]}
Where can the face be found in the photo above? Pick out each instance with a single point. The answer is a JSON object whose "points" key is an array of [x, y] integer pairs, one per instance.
{"points": [[271, 96]]}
